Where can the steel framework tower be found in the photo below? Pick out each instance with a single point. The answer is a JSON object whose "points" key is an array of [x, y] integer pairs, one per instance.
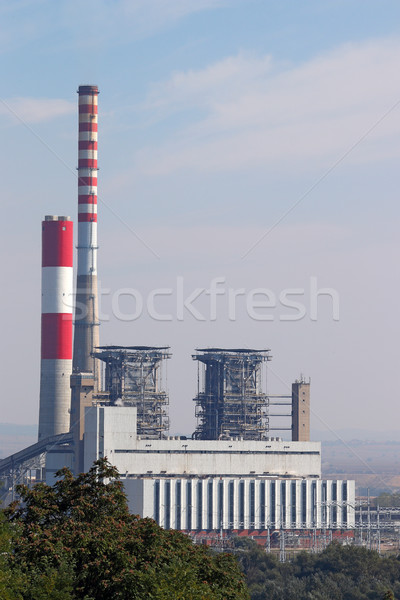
{"points": [[133, 378], [56, 337], [86, 313], [230, 401]]}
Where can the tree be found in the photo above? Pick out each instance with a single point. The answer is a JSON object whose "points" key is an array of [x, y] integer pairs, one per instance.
{"points": [[386, 499], [79, 538], [7, 586], [338, 572]]}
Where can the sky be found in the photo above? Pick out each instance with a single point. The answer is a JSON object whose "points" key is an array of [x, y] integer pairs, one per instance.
{"points": [[248, 188]]}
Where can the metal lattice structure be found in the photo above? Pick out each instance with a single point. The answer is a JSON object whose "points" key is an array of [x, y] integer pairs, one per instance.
{"points": [[27, 466], [133, 377], [230, 401]]}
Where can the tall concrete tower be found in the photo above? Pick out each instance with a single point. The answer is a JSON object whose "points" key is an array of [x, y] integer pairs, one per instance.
{"points": [[56, 342], [300, 411], [86, 336]]}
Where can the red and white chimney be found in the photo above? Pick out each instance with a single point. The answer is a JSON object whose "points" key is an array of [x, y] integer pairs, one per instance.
{"points": [[86, 333], [56, 336]]}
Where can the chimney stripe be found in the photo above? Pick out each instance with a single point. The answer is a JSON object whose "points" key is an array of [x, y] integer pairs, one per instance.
{"points": [[57, 243], [57, 338]]}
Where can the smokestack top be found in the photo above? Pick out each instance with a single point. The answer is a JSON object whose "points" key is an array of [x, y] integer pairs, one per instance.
{"points": [[57, 242], [56, 218], [88, 89]]}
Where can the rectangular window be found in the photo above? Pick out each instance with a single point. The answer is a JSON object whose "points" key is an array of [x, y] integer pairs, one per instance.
{"points": [[334, 505], [293, 504], [210, 505], [220, 504], [262, 505], [273, 504], [304, 502], [252, 504], [314, 503], [189, 505], [167, 503], [283, 503], [241, 504], [178, 505], [344, 498], [231, 511], [157, 501], [324, 506], [199, 505]]}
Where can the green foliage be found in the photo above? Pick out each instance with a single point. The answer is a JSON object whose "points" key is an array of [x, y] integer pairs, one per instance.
{"points": [[7, 588], [385, 499], [339, 572], [76, 540]]}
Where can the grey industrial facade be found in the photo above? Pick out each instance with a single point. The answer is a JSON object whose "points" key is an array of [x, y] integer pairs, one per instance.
{"points": [[226, 485], [237, 503]]}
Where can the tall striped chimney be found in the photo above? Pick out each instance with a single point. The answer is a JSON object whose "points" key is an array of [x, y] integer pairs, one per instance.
{"points": [[56, 342], [86, 334]]}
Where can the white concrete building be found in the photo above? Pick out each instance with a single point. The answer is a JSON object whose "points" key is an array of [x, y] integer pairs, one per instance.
{"points": [[213, 503], [208, 485]]}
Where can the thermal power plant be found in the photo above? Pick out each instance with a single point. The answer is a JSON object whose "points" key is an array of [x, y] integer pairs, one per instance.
{"points": [[230, 400], [133, 377], [112, 401], [56, 326], [86, 328]]}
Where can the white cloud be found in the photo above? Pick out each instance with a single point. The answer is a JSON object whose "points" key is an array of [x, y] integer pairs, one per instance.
{"points": [[101, 22], [36, 110], [250, 110], [120, 21], [210, 86]]}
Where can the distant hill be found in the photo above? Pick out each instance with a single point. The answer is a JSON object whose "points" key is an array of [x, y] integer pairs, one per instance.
{"points": [[348, 435], [14, 438], [373, 463]]}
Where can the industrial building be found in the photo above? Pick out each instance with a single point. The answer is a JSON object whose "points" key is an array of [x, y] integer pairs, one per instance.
{"points": [[112, 401], [225, 484]]}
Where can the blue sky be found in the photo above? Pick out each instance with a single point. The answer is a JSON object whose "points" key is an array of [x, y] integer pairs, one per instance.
{"points": [[222, 123]]}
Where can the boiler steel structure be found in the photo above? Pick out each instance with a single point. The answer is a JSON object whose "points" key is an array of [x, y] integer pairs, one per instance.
{"points": [[133, 377], [230, 400]]}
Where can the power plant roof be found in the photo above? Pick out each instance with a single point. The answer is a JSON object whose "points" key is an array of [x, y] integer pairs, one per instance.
{"points": [[132, 347], [238, 350]]}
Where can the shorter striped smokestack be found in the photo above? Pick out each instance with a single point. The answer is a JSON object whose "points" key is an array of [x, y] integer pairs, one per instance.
{"points": [[56, 342]]}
